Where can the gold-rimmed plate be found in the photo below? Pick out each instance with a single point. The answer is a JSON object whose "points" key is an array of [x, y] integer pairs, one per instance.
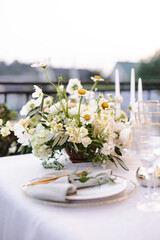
{"points": [[129, 190]]}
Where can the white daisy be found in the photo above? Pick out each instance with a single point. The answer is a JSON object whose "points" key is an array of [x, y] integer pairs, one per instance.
{"points": [[81, 92], [87, 117], [37, 94], [39, 65], [103, 103], [73, 85], [97, 78]]}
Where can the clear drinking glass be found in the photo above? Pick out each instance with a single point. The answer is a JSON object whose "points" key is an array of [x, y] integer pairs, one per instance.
{"points": [[148, 112], [146, 138]]}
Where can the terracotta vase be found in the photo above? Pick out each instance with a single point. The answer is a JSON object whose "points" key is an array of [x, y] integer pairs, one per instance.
{"points": [[76, 158]]}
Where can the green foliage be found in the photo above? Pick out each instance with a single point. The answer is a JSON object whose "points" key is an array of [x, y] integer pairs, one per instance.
{"points": [[150, 69], [6, 114]]}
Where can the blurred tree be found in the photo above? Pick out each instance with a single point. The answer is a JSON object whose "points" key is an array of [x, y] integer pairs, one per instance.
{"points": [[150, 69]]}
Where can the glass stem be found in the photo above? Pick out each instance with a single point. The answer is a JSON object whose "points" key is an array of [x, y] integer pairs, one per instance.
{"points": [[155, 180], [150, 180]]}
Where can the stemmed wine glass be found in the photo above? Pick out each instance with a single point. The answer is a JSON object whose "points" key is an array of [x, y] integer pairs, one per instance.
{"points": [[149, 111], [146, 137]]}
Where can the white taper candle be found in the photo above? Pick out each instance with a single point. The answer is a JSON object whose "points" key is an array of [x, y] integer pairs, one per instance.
{"points": [[132, 87], [140, 90], [132, 94], [117, 84]]}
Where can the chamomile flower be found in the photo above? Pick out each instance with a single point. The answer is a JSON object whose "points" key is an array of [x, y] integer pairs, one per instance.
{"points": [[39, 65], [97, 78], [73, 85], [87, 117], [37, 94], [103, 103], [81, 92]]}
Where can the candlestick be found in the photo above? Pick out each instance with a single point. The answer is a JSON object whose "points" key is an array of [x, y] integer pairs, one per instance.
{"points": [[118, 97], [140, 90], [132, 94], [132, 86], [117, 84]]}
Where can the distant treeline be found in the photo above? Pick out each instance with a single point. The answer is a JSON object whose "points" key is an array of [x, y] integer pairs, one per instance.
{"points": [[150, 70], [15, 68]]}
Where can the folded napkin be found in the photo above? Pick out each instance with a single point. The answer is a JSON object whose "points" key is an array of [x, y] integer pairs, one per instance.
{"points": [[63, 186]]}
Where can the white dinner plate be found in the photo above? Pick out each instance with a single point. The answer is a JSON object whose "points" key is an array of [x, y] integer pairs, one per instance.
{"points": [[102, 191]]}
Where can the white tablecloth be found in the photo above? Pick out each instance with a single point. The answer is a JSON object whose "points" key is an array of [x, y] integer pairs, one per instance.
{"points": [[23, 219]]}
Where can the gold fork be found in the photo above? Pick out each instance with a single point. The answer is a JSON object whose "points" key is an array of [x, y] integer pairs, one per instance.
{"points": [[47, 180]]}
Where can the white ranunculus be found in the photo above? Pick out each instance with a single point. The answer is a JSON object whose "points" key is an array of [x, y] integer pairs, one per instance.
{"points": [[86, 141], [125, 137]]}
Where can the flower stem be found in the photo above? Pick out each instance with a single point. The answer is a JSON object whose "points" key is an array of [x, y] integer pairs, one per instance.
{"points": [[80, 102], [48, 78], [94, 86]]}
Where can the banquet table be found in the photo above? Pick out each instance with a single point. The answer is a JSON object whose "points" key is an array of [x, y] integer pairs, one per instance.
{"points": [[24, 219]]}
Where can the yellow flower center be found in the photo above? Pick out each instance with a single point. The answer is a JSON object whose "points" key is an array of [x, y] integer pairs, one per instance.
{"points": [[87, 117], [105, 105], [39, 94], [96, 76], [82, 91]]}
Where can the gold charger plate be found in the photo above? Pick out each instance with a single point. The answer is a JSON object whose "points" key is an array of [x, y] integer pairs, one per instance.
{"points": [[128, 192]]}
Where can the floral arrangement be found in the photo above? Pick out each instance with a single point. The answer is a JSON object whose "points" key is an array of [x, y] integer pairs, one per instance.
{"points": [[80, 121]]}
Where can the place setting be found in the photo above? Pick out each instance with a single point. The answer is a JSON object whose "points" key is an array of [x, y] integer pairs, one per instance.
{"points": [[79, 189]]}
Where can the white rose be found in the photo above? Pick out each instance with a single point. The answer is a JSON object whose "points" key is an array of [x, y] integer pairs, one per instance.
{"points": [[125, 137], [86, 141]]}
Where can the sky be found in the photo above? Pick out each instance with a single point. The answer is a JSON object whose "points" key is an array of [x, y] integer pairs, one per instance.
{"points": [[79, 33]]}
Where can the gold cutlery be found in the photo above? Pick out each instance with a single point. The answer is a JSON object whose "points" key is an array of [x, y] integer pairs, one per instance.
{"points": [[47, 180]]}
